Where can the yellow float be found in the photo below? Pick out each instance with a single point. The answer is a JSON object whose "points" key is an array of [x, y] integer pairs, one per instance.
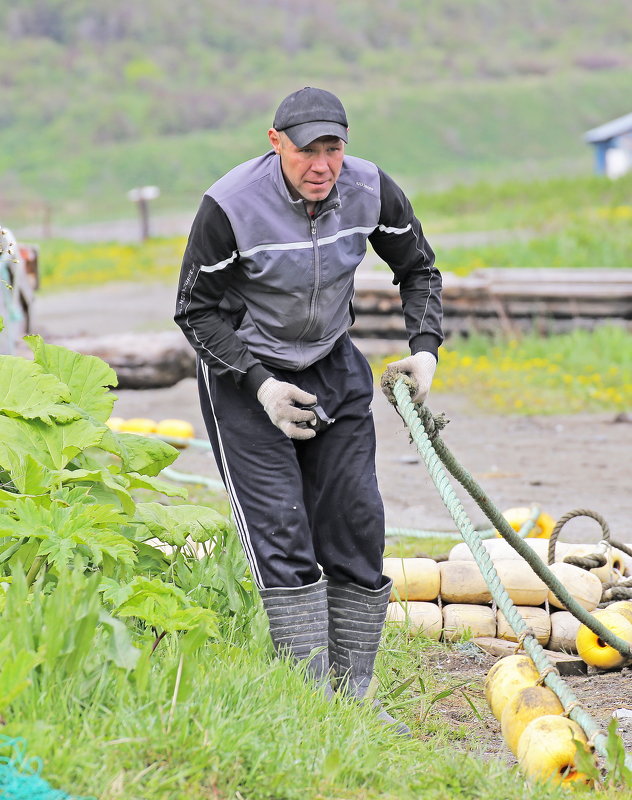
{"points": [[175, 429], [138, 425], [417, 617], [506, 678], [461, 619], [536, 618], [584, 587], [413, 578], [114, 423], [517, 517], [594, 651], [527, 704], [547, 750], [623, 607]]}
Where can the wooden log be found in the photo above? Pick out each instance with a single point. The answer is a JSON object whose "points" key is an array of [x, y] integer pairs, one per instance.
{"points": [[552, 300], [540, 275], [140, 360]]}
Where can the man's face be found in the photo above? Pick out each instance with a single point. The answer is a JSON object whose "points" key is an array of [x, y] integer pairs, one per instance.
{"points": [[311, 171]]}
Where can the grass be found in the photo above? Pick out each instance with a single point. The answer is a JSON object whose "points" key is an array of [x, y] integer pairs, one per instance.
{"points": [[228, 721], [67, 265], [578, 372], [560, 222], [238, 724], [519, 203], [580, 221], [241, 725], [601, 238], [567, 373]]}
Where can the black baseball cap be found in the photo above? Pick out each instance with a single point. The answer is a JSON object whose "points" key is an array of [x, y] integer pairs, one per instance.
{"points": [[309, 113]]}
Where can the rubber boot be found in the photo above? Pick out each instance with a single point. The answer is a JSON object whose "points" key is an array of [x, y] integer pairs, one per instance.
{"points": [[299, 625], [356, 619]]}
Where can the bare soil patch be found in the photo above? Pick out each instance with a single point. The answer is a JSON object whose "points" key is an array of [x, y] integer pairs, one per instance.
{"points": [[600, 694]]}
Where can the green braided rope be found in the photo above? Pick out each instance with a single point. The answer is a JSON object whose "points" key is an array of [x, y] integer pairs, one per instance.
{"points": [[516, 541], [412, 416]]}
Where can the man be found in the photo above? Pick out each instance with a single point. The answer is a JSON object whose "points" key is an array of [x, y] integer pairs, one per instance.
{"points": [[265, 299]]}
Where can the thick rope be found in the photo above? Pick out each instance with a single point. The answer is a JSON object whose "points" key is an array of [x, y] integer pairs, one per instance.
{"points": [[587, 562], [508, 533], [616, 591], [424, 433], [579, 512]]}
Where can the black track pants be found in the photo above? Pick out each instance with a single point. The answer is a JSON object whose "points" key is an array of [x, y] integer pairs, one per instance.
{"points": [[300, 504]]}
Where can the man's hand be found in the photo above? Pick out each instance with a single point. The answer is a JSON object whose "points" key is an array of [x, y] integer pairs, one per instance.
{"points": [[421, 369], [278, 400]]}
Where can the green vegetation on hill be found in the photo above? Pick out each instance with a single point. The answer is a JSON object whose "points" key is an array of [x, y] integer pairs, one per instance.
{"points": [[559, 222], [98, 97]]}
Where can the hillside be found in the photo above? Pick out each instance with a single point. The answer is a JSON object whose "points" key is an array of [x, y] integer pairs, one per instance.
{"points": [[100, 96]]}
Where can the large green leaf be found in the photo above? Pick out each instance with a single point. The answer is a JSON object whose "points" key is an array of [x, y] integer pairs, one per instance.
{"points": [[88, 378], [15, 669], [53, 446], [165, 607], [113, 591], [66, 530], [173, 524], [99, 478], [137, 481], [140, 453], [29, 392], [29, 476], [120, 647]]}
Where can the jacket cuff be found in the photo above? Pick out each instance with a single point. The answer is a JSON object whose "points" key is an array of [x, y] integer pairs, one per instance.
{"points": [[255, 376], [427, 342]]}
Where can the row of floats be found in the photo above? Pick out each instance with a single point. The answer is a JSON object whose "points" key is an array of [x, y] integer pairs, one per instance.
{"points": [[449, 599]]}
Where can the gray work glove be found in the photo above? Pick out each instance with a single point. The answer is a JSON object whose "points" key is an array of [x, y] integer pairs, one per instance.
{"points": [[278, 400], [421, 369]]}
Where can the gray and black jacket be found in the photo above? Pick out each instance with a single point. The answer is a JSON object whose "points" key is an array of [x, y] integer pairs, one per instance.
{"points": [[263, 283]]}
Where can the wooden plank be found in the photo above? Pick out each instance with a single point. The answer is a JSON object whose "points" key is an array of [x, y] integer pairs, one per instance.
{"points": [[566, 664], [554, 274], [617, 291]]}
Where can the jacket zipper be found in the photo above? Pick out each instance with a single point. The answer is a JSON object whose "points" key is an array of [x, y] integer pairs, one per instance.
{"points": [[316, 290]]}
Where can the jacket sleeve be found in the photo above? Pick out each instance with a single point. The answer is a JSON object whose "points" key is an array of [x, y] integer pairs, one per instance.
{"points": [[209, 259], [399, 240]]}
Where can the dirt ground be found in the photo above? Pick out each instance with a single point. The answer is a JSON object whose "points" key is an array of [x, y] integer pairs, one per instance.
{"points": [[560, 462], [599, 694]]}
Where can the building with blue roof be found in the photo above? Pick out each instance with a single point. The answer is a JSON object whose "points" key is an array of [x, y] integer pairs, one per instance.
{"points": [[613, 146]]}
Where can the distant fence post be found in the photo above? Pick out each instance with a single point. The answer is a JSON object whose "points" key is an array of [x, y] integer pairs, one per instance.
{"points": [[141, 195]]}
